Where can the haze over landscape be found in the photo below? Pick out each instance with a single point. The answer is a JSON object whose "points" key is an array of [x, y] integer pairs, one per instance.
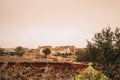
{"points": [[33, 23]]}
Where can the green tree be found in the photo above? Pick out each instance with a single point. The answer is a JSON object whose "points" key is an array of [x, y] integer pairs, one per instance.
{"points": [[81, 55], [1, 51], [117, 45], [46, 51], [19, 50], [105, 49]]}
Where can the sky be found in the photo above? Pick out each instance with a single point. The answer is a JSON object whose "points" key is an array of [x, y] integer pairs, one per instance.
{"points": [[33, 23]]}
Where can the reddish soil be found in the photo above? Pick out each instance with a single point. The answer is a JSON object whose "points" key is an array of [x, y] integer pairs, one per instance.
{"points": [[40, 70], [55, 65]]}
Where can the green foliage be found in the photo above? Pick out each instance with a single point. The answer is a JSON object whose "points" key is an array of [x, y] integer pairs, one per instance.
{"points": [[65, 55], [19, 50], [91, 74], [105, 49], [81, 55], [46, 51], [1, 51]]}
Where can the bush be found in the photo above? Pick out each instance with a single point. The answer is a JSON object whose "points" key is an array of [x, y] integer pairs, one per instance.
{"points": [[46, 51], [105, 49], [91, 74], [81, 55], [1, 51], [19, 50]]}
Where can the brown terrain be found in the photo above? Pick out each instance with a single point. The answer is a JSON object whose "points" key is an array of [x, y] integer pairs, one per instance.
{"points": [[26, 69], [32, 66]]}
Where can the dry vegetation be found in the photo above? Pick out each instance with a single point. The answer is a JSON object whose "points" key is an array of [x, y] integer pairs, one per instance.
{"points": [[23, 72]]}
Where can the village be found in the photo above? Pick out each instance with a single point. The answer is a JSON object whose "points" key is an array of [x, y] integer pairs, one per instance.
{"points": [[58, 53]]}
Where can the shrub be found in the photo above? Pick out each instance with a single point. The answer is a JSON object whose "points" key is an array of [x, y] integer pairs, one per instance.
{"points": [[105, 49], [19, 50], [1, 51], [91, 74], [46, 51], [81, 55]]}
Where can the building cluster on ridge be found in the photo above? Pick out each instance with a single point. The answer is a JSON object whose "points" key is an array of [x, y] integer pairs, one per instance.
{"points": [[56, 52]]}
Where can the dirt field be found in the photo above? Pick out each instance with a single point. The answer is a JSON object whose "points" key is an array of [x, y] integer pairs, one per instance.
{"points": [[13, 68]]}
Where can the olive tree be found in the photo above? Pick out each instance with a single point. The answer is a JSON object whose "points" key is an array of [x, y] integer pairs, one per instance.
{"points": [[46, 51], [105, 49], [19, 50]]}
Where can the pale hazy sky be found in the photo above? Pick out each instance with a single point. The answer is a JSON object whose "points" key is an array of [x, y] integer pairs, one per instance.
{"points": [[32, 23]]}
